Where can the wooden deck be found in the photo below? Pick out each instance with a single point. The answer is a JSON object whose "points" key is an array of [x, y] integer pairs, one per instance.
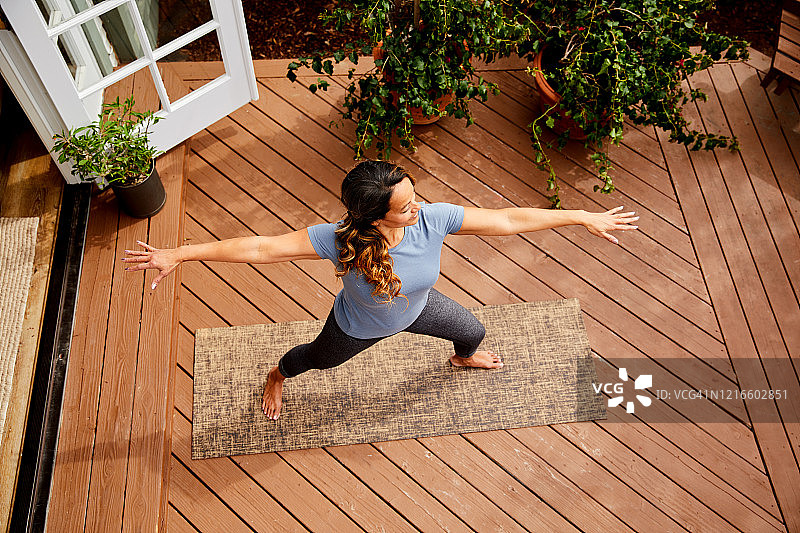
{"points": [[705, 295]]}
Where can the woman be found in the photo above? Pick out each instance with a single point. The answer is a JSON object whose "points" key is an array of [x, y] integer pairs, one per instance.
{"points": [[386, 249]]}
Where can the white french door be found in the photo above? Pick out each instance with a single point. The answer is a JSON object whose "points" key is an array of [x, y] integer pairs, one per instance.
{"points": [[80, 48]]}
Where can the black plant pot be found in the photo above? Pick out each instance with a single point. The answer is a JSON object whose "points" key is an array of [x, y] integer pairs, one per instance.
{"points": [[143, 199]]}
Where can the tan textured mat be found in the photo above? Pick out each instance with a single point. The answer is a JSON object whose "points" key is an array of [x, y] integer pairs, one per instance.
{"points": [[17, 248], [402, 387]]}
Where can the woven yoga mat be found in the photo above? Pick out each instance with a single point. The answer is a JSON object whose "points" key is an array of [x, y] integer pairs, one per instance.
{"points": [[17, 248], [401, 387]]}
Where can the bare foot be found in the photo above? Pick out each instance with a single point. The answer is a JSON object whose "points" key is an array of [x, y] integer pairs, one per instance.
{"points": [[480, 359], [271, 402]]}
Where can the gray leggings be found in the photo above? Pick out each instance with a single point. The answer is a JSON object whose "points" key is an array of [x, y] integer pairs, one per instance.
{"points": [[441, 317]]}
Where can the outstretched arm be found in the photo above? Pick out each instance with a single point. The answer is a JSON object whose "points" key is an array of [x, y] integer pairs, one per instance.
{"points": [[510, 221], [288, 247]]}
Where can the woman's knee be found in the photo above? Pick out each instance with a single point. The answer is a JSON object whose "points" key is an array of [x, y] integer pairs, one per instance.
{"points": [[481, 330], [478, 332], [471, 337]]}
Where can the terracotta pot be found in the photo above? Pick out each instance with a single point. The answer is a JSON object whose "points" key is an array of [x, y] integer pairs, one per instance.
{"points": [[143, 199], [441, 104], [549, 97], [416, 113]]}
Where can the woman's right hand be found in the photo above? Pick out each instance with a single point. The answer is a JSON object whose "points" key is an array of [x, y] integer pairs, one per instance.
{"points": [[164, 260]]}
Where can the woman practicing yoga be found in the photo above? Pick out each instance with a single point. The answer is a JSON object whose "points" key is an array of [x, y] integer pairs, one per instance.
{"points": [[386, 250]]}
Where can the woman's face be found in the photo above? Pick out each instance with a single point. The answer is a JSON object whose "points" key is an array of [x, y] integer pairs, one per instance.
{"points": [[403, 207]]}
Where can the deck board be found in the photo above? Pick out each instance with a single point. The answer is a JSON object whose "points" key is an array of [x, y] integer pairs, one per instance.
{"points": [[257, 290], [677, 300], [213, 190], [743, 498], [193, 499], [308, 296], [771, 243], [597, 483], [666, 232], [784, 110], [151, 428], [660, 237], [177, 522], [773, 175], [574, 248]]}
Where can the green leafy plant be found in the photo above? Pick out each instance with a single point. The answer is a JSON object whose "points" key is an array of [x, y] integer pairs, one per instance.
{"points": [[426, 48], [612, 59], [115, 148]]}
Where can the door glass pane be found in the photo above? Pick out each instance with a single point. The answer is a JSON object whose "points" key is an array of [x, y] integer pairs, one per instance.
{"points": [[165, 20], [140, 85], [94, 49], [57, 11], [208, 46]]}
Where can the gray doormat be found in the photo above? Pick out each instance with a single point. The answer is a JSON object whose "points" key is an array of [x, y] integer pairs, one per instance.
{"points": [[402, 387]]}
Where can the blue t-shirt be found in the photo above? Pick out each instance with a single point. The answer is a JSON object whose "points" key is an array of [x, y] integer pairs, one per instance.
{"points": [[416, 263]]}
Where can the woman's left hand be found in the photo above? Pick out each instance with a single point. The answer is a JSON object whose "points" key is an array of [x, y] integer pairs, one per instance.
{"points": [[600, 224]]}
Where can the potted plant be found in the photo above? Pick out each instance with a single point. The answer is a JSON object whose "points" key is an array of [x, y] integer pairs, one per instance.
{"points": [[423, 69], [607, 60], [116, 150]]}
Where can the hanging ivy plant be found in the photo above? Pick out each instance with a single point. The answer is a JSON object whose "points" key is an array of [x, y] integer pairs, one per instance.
{"points": [[425, 56]]}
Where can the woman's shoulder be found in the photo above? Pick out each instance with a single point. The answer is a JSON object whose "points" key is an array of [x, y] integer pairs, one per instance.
{"points": [[443, 217], [326, 230], [323, 239]]}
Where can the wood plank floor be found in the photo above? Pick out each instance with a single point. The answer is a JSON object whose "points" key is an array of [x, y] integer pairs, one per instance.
{"points": [[703, 297]]}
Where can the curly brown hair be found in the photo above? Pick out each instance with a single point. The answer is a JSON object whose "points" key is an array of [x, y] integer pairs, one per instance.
{"points": [[366, 191]]}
